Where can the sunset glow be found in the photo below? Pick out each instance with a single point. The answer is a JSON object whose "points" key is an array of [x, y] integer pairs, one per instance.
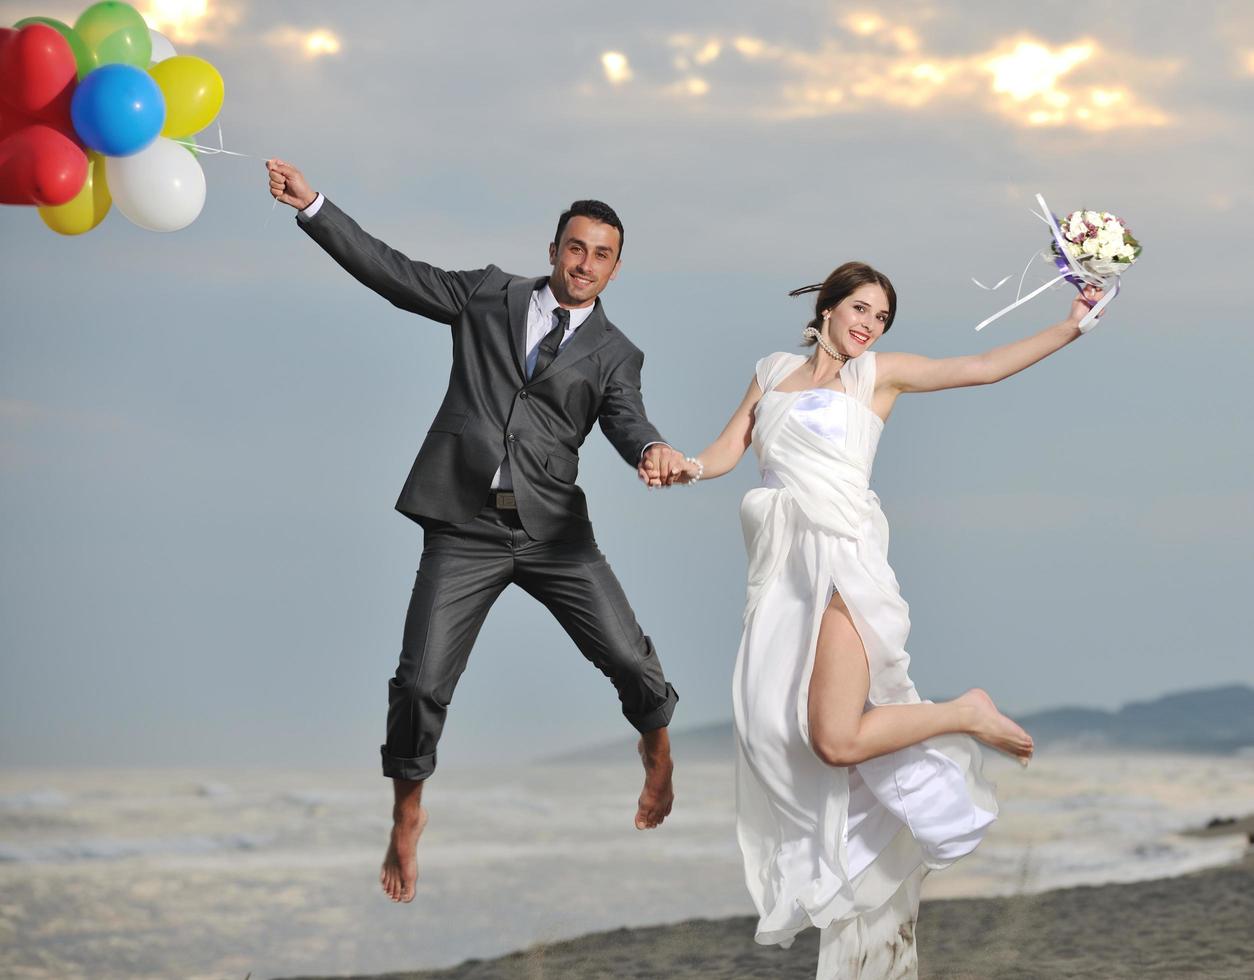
{"points": [[617, 70], [183, 21], [308, 44], [873, 62]]}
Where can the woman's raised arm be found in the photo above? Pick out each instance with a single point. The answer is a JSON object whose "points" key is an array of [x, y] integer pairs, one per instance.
{"points": [[912, 372]]}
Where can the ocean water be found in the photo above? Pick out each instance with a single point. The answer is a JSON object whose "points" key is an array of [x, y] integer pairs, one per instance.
{"points": [[217, 874]]}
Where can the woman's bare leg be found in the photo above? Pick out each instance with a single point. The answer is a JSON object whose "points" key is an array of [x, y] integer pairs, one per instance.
{"points": [[843, 734]]}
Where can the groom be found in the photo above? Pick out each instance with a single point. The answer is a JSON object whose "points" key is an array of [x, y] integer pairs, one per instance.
{"points": [[535, 364]]}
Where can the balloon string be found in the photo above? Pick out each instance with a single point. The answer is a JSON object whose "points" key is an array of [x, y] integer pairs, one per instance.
{"points": [[215, 150]]}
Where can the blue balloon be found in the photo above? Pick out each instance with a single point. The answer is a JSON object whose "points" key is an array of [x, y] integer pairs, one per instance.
{"points": [[118, 110]]}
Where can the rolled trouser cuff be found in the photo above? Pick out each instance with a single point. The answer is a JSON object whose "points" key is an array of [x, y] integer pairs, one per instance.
{"points": [[659, 717], [418, 768]]}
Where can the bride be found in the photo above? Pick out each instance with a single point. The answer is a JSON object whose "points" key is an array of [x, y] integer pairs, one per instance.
{"points": [[849, 787]]}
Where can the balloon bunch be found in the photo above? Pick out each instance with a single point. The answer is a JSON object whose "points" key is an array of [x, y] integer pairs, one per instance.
{"points": [[98, 114]]}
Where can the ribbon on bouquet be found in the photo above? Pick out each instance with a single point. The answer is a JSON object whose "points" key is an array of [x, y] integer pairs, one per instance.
{"points": [[1068, 269]]}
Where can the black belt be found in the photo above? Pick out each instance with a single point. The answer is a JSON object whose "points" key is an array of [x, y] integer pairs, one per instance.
{"points": [[502, 499]]}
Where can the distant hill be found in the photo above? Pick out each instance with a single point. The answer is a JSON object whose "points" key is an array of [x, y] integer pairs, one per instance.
{"points": [[1217, 720]]}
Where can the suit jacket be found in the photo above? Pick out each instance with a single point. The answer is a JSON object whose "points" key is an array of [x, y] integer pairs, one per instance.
{"points": [[491, 409]]}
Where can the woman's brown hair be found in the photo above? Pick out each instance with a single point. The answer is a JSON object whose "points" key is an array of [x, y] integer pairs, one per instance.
{"points": [[843, 281]]}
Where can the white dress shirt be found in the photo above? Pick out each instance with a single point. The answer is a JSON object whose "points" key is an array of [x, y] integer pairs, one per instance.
{"points": [[540, 321], [310, 211]]}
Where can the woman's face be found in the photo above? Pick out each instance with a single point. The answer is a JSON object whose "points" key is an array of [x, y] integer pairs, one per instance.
{"points": [[858, 320]]}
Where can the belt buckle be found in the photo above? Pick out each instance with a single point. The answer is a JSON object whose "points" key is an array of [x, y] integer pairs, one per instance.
{"points": [[505, 501]]}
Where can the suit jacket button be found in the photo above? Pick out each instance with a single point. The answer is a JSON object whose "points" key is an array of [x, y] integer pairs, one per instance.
{"points": [[522, 394], [511, 437]]}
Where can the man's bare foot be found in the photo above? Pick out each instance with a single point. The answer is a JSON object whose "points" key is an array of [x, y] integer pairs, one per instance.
{"points": [[658, 795], [994, 729], [400, 864]]}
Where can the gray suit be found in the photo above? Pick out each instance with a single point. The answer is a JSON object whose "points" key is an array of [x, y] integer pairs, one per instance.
{"points": [[471, 552]]}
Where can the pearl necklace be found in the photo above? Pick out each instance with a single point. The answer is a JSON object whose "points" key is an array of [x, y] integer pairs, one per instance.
{"points": [[811, 332]]}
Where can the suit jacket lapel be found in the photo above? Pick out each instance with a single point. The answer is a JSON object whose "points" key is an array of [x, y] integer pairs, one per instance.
{"points": [[590, 335], [518, 297]]}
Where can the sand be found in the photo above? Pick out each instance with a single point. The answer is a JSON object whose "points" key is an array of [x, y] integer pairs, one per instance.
{"points": [[1194, 926]]}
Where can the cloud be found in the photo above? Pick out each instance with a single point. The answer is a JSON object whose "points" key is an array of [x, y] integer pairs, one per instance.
{"points": [[308, 44], [19, 415], [617, 69], [32, 434], [869, 63], [188, 22], [191, 21]]}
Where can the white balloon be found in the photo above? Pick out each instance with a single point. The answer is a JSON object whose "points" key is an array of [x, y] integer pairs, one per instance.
{"points": [[161, 188], [161, 47]]}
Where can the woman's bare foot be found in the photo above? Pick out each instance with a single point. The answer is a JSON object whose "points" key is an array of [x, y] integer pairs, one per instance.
{"points": [[658, 795], [993, 728], [400, 864]]}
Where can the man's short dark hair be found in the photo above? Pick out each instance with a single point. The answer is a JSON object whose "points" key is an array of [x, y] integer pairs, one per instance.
{"points": [[597, 211]]}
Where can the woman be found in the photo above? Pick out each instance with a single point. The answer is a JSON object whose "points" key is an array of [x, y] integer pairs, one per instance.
{"points": [[849, 787]]}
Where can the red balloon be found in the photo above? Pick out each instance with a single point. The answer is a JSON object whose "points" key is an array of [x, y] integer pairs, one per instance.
{"points": [[38, 73], [40, 166], [11, 120]]}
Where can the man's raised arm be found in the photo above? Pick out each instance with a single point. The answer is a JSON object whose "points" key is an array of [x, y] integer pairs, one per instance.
{"points": [[414, 286]]}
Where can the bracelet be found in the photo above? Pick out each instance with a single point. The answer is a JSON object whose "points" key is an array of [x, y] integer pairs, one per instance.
{"points": [[700, 469]]}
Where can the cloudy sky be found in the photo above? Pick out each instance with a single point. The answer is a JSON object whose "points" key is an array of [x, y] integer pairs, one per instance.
{"points": [[202, 433]]}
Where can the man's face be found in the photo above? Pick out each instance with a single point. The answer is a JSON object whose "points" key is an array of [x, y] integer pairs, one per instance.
{"points": [[584, 261]]}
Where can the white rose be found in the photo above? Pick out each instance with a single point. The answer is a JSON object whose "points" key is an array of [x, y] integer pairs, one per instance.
{"points": [[1109, 243], [1090, 246]]}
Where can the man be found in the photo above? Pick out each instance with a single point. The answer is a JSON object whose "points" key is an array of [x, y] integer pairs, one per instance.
{"points": [[535, 364]]}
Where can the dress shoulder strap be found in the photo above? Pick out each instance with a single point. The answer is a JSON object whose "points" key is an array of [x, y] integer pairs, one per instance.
{"points": [[774, 368], [858, 377]]}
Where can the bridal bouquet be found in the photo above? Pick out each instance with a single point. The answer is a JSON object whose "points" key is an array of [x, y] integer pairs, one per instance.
{"points": [[1098, 242], [1090, 248]]}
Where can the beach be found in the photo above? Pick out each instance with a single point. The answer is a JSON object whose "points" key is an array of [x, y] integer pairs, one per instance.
{"points": [[149, 874], [1193, 926]]}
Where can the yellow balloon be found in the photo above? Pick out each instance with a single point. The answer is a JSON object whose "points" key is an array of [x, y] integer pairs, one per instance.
{"points": [[193, 93], [87, 208]]}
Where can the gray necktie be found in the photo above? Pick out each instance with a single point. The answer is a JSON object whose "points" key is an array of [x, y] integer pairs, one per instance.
{"points": [[552, 340]]}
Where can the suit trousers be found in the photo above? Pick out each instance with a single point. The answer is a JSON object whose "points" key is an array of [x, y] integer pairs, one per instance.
{"points": [[464, 568]]}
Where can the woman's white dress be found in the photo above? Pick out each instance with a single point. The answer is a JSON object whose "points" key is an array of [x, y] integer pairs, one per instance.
{"points": [[841, 848]]}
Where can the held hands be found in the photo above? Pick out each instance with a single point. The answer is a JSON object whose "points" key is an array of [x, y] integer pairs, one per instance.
{"points": [[1084, 302], [662, 466], [289, 185]]}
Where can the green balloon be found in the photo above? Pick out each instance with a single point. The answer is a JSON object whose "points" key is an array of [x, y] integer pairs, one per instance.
{"points": [[82, 57], [115, 33], [187, 141]]}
